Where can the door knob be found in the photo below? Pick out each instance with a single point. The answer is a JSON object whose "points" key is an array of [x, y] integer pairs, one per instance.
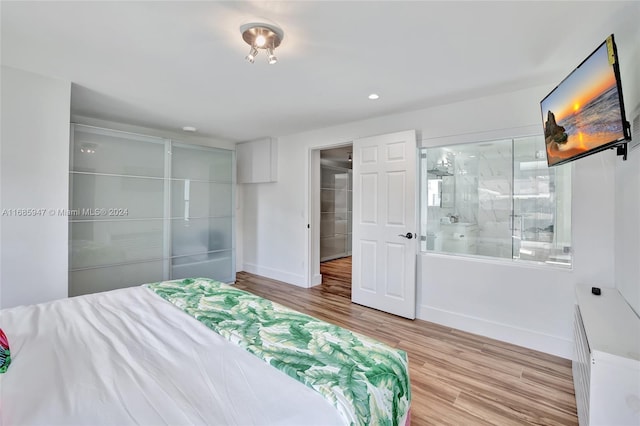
{"points": [[408, 235]]}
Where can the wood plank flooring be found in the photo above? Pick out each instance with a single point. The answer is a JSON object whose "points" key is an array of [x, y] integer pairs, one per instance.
{"points": [[457, 378]]}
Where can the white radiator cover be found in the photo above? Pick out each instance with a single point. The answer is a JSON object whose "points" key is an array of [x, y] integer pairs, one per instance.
{"points": [[581, 367], [606, 360]]}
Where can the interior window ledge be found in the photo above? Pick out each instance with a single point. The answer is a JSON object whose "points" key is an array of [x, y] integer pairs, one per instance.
{"points": [[498, 261]]}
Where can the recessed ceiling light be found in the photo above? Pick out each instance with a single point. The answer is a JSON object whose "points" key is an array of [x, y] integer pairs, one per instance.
{"points": [[189, 129], [374, 96]]}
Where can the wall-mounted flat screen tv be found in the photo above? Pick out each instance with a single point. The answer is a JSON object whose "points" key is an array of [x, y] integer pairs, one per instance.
{"points": [[584, 114]]}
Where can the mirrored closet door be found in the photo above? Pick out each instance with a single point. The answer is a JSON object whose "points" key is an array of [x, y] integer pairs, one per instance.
{"points": [[146, 209]]}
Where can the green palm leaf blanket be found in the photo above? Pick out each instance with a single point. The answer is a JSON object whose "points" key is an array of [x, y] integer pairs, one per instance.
{"points": [[366, 380]]}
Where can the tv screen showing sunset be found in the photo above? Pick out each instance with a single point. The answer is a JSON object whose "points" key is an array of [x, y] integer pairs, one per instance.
{"points": [[583, 112]]}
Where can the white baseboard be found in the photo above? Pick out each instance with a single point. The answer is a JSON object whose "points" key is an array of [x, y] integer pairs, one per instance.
{"points": [[276, 274], [542, 342], [316, 280]]}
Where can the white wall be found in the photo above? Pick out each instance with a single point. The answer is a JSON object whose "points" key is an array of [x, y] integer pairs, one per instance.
{"points": [[34, 173], [627, 221], [528, 305], [627, 187]]}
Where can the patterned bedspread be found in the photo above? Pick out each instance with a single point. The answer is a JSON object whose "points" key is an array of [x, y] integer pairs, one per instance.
{"points": [[366, 380]]}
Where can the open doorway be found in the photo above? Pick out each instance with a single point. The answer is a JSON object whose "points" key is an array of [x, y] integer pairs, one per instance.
{"points": [[331, 218], [384, 221], [336, 276]]}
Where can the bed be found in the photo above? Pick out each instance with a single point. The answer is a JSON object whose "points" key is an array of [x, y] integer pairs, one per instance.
{"points": [[193, 351]]}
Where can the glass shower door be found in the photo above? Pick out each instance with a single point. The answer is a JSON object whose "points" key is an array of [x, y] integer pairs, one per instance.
{"points": [[541, 205]]}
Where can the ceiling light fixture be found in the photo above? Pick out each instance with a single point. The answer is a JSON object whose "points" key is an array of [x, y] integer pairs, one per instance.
{"points": [[251, 57], [262, 36], [88, 148], [374, 96]]}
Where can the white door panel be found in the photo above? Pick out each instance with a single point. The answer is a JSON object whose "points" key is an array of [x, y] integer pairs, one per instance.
{"points": [[384, 211]]}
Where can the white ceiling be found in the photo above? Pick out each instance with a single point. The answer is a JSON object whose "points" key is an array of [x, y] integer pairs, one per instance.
{"points": [[172, 64]]}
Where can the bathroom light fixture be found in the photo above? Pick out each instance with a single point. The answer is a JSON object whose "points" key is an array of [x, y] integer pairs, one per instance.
{"points": [[88, 148], [262, 36]]}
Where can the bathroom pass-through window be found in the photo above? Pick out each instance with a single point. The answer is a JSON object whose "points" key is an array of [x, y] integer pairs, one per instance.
{"points": [[496, 199]]}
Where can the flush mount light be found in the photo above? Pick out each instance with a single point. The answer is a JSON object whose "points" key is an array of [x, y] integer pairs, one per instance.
{"points": [[189, 129], [374, 96], [262, 36]]}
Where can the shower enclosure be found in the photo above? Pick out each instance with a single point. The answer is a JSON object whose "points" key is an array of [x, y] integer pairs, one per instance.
{"points": [[496, 199], [335, 212]]}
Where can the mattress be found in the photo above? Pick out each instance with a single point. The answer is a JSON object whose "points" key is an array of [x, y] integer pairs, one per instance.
{"points": [[129, 357], [201, 353]]}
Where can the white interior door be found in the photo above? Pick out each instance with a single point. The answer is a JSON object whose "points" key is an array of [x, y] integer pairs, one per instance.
{"points": [[384, 223]]}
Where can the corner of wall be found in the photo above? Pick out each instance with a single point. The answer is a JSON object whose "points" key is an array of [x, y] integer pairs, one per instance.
{"points": [[276, 274], [34, 176]]}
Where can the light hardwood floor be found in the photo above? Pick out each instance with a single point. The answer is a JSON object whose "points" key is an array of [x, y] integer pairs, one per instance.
{"points": [[457, 378]]}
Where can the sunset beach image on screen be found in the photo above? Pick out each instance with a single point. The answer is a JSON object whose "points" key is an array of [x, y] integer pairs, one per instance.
{"points": [[583, 112]]}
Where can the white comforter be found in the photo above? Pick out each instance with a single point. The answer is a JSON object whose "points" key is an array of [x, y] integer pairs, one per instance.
{"points": [[129, 357]]}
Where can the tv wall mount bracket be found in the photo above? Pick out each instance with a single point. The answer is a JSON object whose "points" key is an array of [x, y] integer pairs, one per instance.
{"points": [[622, 149]]}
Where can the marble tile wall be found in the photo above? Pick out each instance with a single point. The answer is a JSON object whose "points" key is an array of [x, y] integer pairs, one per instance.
{"points": [[481, 193], [494, 200]]}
